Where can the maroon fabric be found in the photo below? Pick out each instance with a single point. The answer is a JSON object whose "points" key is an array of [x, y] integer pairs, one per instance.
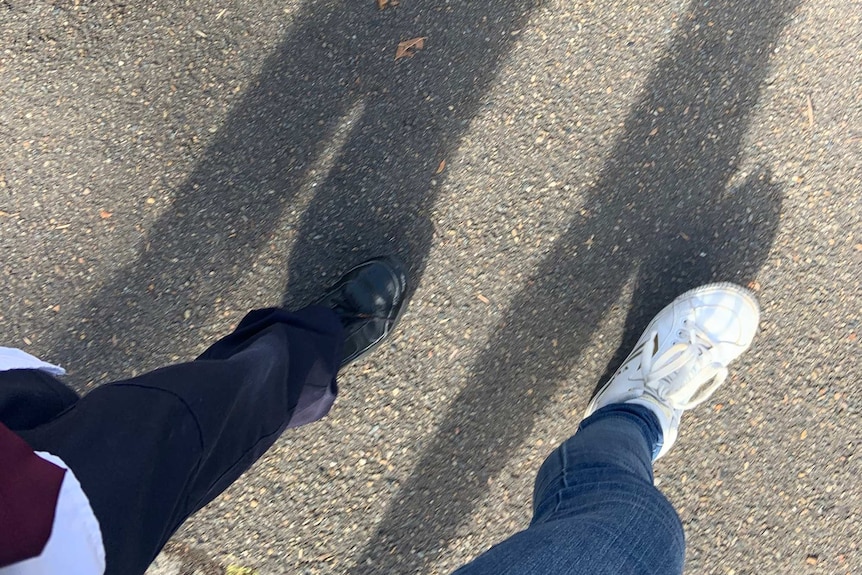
{"points": [[29, 487]]}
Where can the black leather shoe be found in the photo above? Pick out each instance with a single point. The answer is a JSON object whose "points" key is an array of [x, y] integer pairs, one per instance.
{"points": [[369, 299]]}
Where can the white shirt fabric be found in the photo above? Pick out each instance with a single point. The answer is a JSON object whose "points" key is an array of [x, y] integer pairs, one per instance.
{"points": [[13, 358], [75, 545]]}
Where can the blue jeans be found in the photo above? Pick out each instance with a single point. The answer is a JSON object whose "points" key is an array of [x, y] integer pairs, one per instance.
{"points": [[595, 509]]}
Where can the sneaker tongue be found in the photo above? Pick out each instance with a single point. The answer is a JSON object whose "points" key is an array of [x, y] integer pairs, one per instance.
{"points": [[719, 320]]}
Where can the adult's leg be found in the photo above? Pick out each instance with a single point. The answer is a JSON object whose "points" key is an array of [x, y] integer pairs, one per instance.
{"points": [[596, 511], [151, 450]]}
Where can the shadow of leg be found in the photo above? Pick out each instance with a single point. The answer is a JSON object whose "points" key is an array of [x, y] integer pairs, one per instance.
{"points": [[670, 168]]}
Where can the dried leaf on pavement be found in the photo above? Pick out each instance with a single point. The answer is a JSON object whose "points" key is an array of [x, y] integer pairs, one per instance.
{"points": [[408, 48]]}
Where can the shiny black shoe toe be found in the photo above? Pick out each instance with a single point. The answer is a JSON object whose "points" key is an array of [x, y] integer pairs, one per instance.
{"points": [[369, 299]]}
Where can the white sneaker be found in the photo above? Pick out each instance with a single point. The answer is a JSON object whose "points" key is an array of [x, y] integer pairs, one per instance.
{"points": [[682, 357]]}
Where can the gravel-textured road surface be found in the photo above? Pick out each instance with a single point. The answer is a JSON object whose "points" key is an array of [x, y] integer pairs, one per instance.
{"points": [[553, 173]]}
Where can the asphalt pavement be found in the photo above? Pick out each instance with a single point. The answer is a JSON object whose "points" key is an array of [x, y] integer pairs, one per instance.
{"points": [[552, 172]]}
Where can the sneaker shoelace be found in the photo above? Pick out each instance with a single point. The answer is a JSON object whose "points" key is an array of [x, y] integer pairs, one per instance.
{"points": [[687, 364]]}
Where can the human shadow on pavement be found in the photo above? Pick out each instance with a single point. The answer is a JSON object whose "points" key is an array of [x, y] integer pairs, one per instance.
{"points": [[333, 122], [670, 210]]}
